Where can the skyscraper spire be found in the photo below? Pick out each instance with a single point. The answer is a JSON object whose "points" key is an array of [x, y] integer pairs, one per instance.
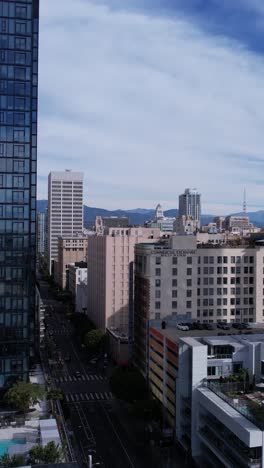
{"points": [[244, 202]]}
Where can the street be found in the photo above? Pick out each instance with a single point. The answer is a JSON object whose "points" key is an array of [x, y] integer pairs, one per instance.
{"points": [[92, 415], [96, 424]]}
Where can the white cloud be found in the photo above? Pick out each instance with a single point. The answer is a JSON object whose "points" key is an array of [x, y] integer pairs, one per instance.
{"points": [[147, 106]]}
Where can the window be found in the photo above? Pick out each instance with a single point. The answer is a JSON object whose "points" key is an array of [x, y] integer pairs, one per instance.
{"points": [[158, 260], [174, 260], [157, 283], [157, 305], [189, 293], [219, 259], [225, 259], [20, 27], [174, 283], [174, 293], [189, 260], [157, 316], [158, 272], [18, 181], [189, 282], [174, 271], [157, 294], [205, 260], [174, 304], [188, 304], [20, 43], [189, 271], [21, 11], [211, 260]]}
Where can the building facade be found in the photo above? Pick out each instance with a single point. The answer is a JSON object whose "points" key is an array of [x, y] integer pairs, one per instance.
{"points": [[109, 260], [42, 233], [19, 29], [71, 249], [102, 223], [210, 388], [178, 277], [190, 205], [78, 285], [65, 208]]}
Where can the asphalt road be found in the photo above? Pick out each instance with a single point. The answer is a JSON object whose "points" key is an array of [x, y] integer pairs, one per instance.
{"points": [[96, 423], [93, 422]]}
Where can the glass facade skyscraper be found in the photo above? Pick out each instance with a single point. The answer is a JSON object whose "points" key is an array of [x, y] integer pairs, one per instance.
{"points": [[19, 27]]}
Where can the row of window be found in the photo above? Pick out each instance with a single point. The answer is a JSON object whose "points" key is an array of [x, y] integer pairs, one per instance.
{"points": [[224, 291], [11, 26], [174, 271], [174, 305], [17, 135], [15, 43], [224, 312], [225, 259], [225, 270], [15, 89], [16, 181], [14, 212], [174, 260], [15, 10]]}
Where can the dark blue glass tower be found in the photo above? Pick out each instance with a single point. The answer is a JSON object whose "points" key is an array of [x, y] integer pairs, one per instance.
{"points": [[19, 27]]}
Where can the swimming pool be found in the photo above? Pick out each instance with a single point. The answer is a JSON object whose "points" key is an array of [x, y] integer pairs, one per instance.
{"points": [[5, 444]]}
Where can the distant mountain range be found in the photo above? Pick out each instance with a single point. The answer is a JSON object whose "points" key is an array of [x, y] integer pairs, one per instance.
{"points": [[141, 215]]}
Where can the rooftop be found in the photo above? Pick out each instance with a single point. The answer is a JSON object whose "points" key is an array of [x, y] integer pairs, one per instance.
{"points": [[216, 336]]}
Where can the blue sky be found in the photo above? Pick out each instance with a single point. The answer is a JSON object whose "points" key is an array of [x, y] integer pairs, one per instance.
{"points": [[148, 97]]}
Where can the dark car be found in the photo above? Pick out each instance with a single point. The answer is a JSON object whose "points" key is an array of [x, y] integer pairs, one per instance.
{"points": [[78, 375], [209, 326]]}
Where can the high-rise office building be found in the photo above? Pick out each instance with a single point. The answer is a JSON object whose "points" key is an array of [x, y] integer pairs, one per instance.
{"points": [[42, 233], [19, 26], [65, 208], [190, 205]]}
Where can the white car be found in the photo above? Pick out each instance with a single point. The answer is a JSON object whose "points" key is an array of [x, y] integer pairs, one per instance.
{"points": [[182, 327]]}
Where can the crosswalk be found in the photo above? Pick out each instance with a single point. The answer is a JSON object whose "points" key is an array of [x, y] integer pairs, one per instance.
{"points": [[82, 378], [85, 397]]}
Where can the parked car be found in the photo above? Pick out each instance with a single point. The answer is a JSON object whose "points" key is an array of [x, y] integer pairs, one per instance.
{"points": [[224, 325], [78, 374], [182, 327], [209, 326]]}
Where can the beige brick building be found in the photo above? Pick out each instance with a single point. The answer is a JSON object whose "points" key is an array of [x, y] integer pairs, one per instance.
{"points": [[110, 259]]}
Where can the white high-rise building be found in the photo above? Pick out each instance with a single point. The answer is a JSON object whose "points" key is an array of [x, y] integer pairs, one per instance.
{"points": [[190, 205], [65, 208]]}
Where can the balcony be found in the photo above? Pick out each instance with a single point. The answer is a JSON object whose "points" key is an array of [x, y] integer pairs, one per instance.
{"points": [[240, 451], [225, 451]]}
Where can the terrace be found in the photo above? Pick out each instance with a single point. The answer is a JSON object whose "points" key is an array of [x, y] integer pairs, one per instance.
{"points": [[247, 399]]}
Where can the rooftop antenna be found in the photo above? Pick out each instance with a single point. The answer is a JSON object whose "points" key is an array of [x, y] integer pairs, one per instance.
{"points": [[244, 202]]}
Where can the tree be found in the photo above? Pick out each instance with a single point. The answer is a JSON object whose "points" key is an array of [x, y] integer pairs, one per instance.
{"points": [[94, 339], [7, 461], [55, 394], [22, 395], [51, 453], [128, 384]]}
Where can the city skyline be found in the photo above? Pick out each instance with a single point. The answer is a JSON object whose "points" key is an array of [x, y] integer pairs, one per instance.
{"points": [[153, 85]]}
